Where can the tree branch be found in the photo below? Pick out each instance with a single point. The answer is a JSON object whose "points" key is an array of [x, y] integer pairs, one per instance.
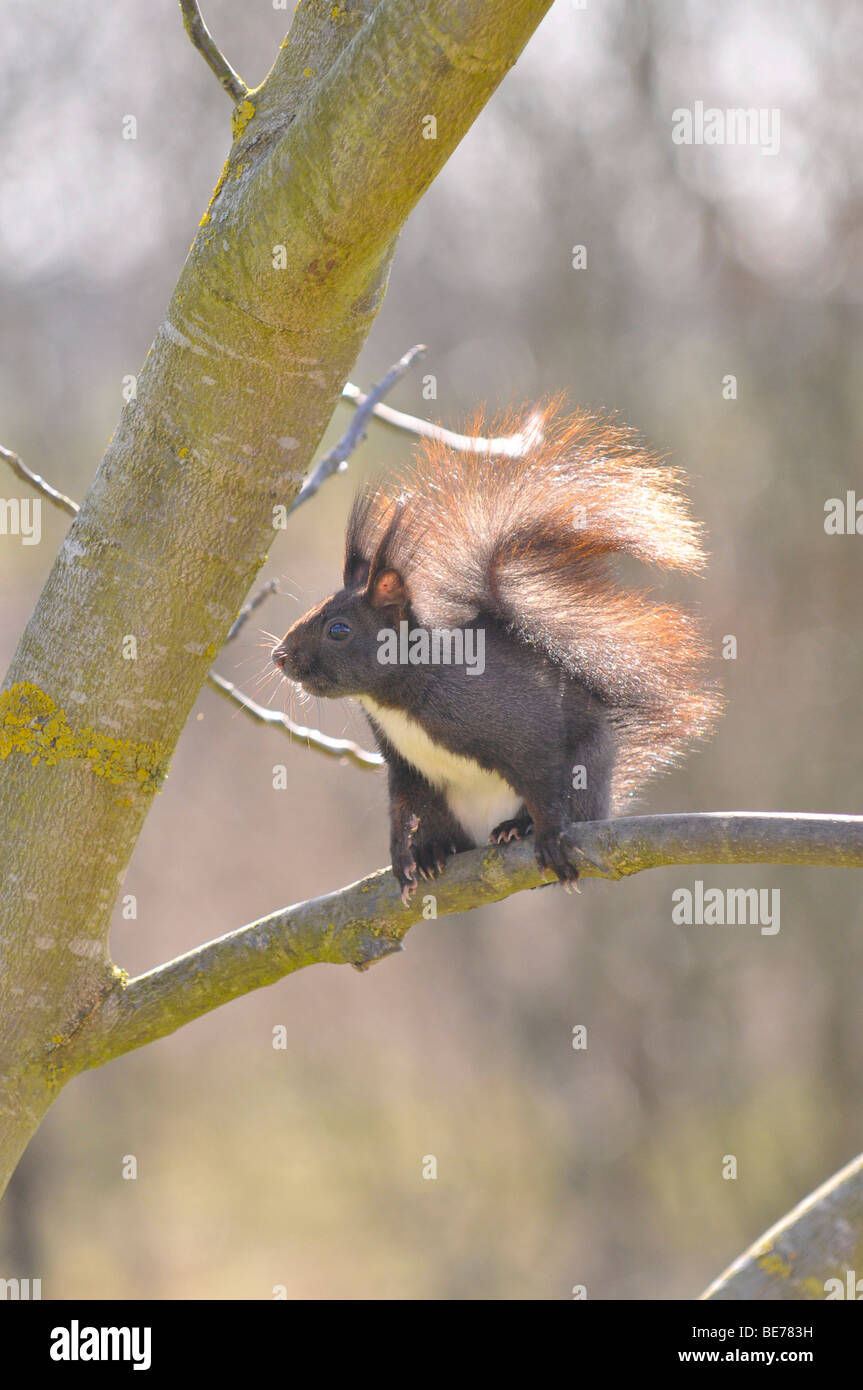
{"points": [[366, 921], [336, 460], [313, 738], [505, 446], [271, 586], [818, 1241], [202, 39], [370, 403], [340, 748], [58, 498]]}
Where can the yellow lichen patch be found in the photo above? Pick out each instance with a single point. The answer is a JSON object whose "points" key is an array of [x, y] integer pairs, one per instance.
{"points": [[216, 191], [309, 72], [814, 1287], [55, 1077], [243, 113], [31, 723], [774, 1264], [184, 452]]}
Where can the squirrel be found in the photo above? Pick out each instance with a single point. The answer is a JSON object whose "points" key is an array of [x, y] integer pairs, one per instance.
{"points": [[512, 683]]}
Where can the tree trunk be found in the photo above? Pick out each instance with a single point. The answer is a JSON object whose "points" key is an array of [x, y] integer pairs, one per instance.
{"points": [[278, 293]]}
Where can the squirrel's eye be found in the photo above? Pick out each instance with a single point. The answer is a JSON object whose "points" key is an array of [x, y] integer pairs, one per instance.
{"points": [[338, 631]]}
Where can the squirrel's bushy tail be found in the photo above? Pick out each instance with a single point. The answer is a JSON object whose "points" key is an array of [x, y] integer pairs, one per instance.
{"points": [[529, 541]]}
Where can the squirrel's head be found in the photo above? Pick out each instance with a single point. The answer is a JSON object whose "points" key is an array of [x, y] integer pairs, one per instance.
{"points": [[334, 650]]}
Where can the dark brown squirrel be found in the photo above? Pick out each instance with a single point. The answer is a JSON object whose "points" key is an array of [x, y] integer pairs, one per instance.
{"points": [[584, 688]]}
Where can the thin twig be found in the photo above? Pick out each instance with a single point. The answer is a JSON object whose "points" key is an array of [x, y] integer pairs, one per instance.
{"points": [[270, 587], [334, 747], [506, 446], [336, 460], [206, 45], [58, 498]]}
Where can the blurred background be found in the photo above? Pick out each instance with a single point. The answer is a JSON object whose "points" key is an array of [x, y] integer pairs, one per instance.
{"points": [[303, 1167]]}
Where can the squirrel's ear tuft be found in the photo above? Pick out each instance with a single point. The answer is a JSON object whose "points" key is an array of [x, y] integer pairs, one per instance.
{"points": [[356, 572], [387, 590]]}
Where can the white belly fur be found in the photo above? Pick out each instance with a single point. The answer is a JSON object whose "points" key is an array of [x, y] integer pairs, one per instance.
{"points": [[478, 799]]}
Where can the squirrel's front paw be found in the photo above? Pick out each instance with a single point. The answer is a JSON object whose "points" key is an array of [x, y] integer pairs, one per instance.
{"points": [[416, 856], [431, 856], [515, 829], [404, 857]]}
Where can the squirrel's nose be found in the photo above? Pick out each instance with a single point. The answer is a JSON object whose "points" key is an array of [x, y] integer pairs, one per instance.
{"points": [[292, 659]]}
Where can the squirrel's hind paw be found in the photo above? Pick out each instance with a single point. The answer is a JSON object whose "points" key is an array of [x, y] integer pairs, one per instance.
{"points": [[556, 849], [553, 850]]}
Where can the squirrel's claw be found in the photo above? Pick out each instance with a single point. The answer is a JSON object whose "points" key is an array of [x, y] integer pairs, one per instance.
{"points": [[431, 857], [405, 870], [516, 829]]}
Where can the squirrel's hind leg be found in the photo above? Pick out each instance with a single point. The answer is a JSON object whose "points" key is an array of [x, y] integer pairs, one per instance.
{"points": [[585, 795]]}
